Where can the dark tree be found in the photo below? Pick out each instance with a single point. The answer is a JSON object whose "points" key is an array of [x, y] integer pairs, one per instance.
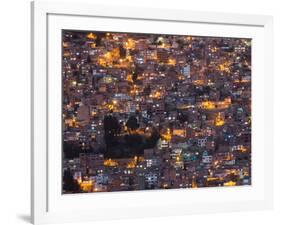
{"points": [[71, 150], [152, 140], [147, 90], [138, 70], [132, 123], [99, 39], [134, 76], [111, 129], [69, 184], [122, 52], [134, 142], [89, 59], [131, 183]]}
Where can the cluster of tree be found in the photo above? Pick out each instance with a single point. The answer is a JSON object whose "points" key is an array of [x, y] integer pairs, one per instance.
{"points": [[69, 183], [99, 38], [72, 149], [136, 72], [111, 130], [132, 123], [128, 145]]}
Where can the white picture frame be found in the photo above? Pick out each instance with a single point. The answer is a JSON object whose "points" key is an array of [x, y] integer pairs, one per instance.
{"points": [[47, 204]]}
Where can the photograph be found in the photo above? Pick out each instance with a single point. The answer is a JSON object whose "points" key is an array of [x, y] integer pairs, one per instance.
{"points": [[140, 112], [143, 111]]}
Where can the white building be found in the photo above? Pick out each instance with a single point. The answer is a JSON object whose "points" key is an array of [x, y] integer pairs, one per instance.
{"points": [[186, 71], [162, 144], [206, 158], [201, 142]]}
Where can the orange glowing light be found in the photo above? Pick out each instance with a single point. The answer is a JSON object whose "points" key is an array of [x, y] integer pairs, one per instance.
{"points": [[167, 135], [208, 105], [110, 162], [219, 121], [86, 186], [229, 183], [172, 62], [91, 36]]}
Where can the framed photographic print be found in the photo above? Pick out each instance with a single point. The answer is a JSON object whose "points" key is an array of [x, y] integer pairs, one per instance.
{"points": [[142, 115]]}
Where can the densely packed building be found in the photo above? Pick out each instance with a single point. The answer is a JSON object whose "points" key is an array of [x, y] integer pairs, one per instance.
{"points": [[149, 111]]}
